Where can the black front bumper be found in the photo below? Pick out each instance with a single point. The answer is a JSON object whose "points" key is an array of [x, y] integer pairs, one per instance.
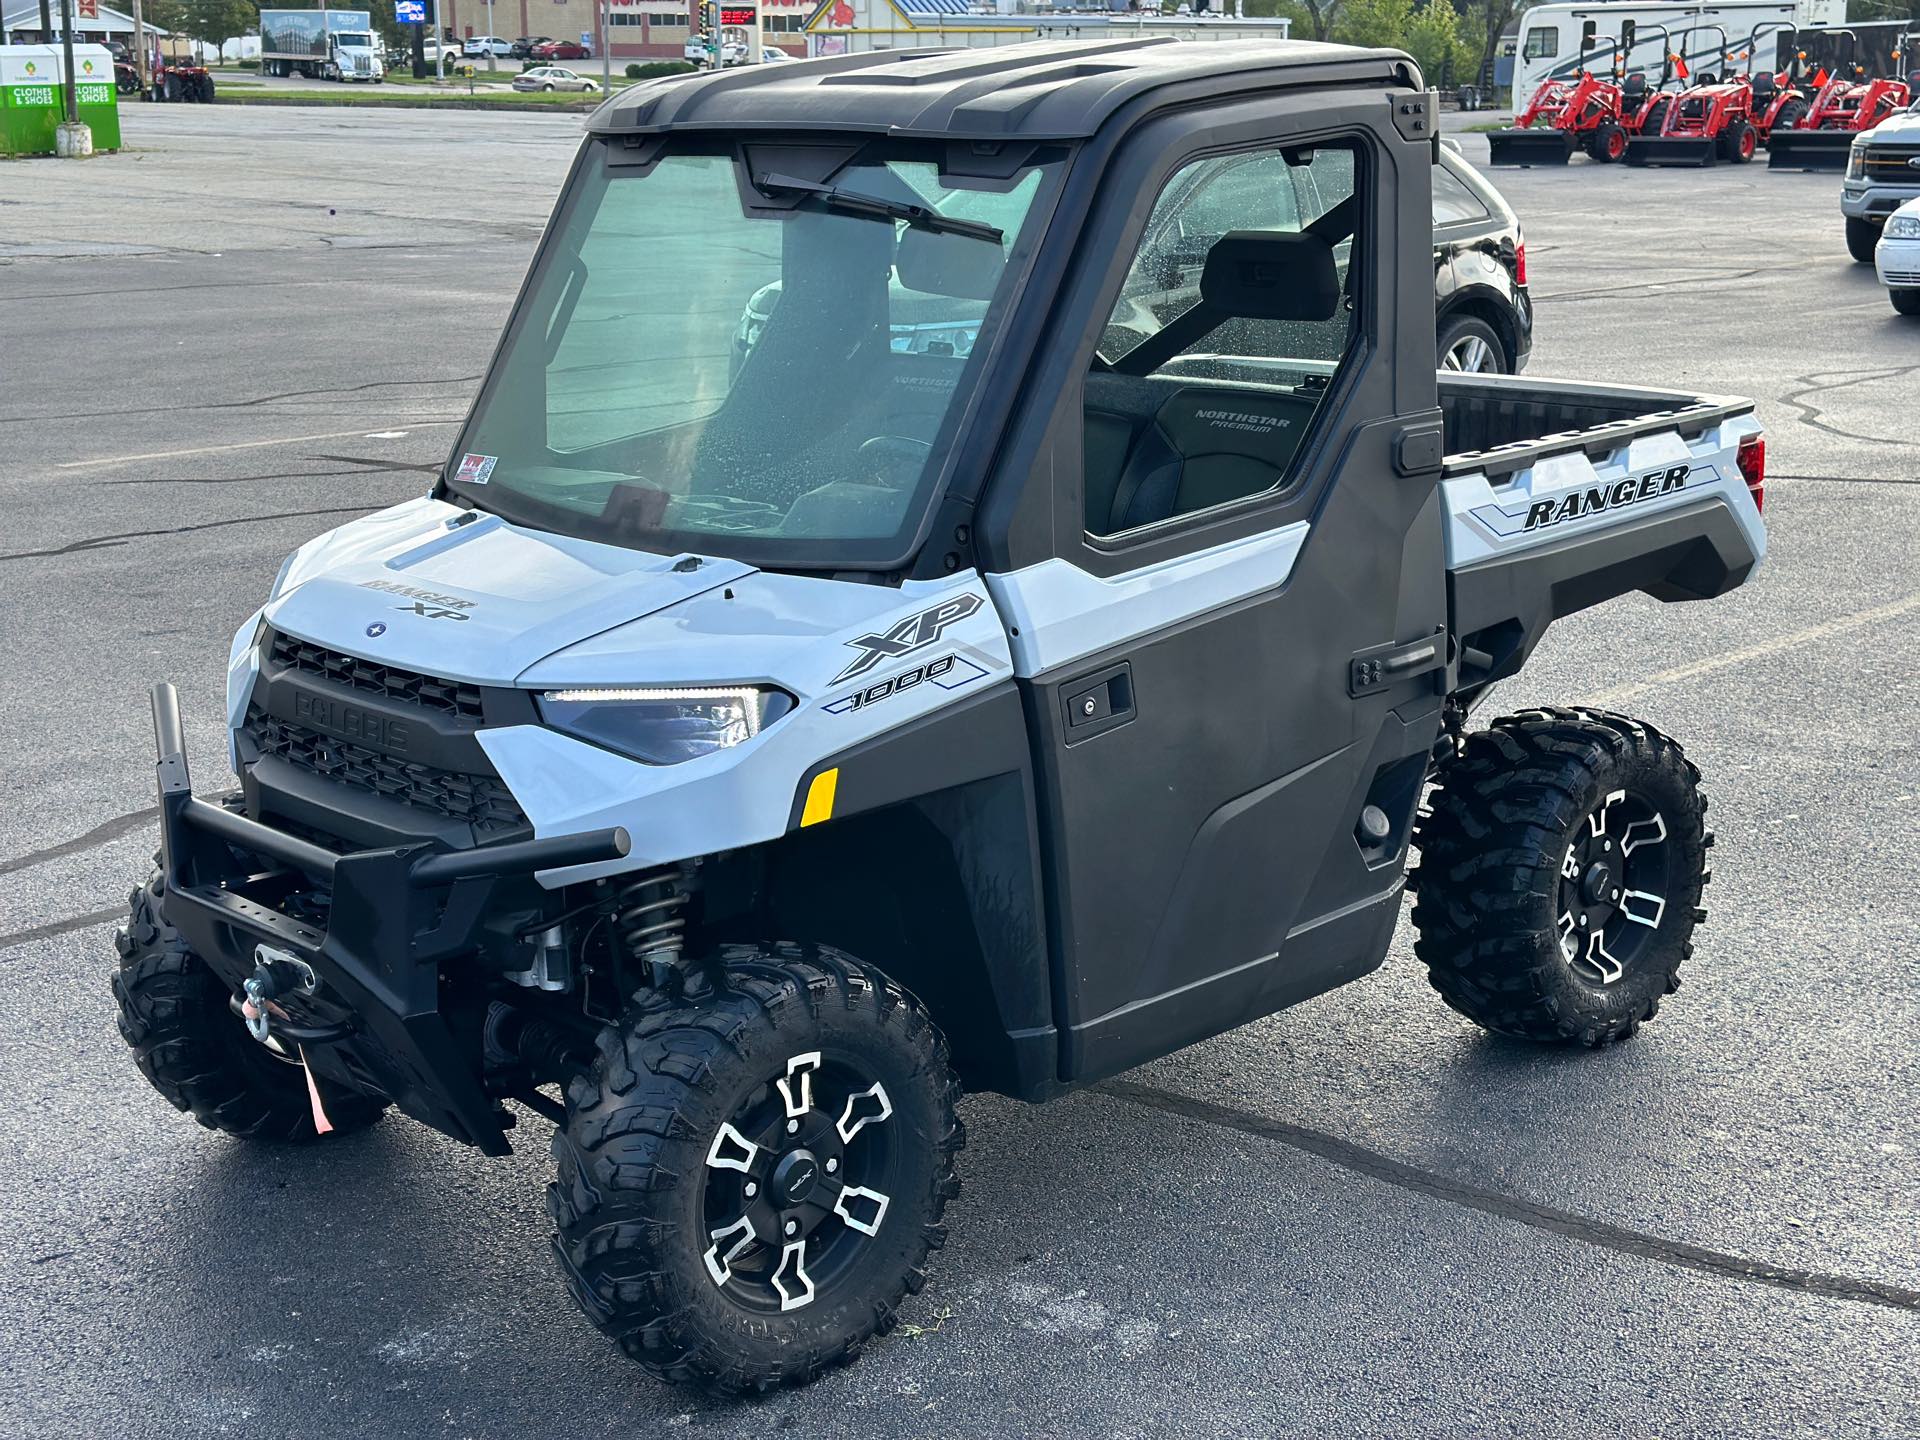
{"points": [[395, 917]]}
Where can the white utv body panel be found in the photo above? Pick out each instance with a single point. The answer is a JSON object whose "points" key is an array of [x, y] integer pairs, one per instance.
{"points": [[1571, 495], [424, 587]]}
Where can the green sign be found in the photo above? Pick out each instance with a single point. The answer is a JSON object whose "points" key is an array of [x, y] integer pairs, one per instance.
{"points": [[32, 104]]}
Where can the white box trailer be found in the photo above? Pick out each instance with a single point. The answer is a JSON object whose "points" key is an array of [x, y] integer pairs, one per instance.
{"points": [[320, 44]]}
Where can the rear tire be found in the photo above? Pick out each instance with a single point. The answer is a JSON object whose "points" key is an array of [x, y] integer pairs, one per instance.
{"points": [[1907, 302], [197, 1053], [1791, 114], [1511, 864], [679, 1136], [1470, 345], [1862, 237]]}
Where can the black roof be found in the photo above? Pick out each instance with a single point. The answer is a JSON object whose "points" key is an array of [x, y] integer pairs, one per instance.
{"points": [[1045, 90]]}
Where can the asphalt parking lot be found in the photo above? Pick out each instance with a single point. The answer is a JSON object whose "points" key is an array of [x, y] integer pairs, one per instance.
{"points": [[1362, 1216]]}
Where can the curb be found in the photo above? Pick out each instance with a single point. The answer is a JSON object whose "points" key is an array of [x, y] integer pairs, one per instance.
{"points": [[434, 102]]}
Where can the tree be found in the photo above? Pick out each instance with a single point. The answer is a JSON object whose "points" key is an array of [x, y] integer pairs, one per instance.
{"points": [[1433, 38], [1374, 22], [214, 22]]}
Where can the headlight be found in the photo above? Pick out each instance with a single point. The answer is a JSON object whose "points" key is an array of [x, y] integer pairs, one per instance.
{"points": [[1904, 227], [1857, 163], [668, 725]]}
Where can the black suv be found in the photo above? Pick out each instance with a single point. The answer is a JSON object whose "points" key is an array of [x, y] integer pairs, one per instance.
{"points": [[1479, 272]]}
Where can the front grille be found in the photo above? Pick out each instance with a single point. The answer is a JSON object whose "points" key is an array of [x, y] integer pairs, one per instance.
{"points": [[1902, 279], [1892, 167], [481, 801], [450, 697]]}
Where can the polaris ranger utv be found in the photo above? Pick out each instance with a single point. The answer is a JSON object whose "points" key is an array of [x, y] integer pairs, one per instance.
{"points": [[751, 739]]}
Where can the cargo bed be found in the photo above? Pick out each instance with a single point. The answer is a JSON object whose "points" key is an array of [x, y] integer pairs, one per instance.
{"points": [[1560, 495]]}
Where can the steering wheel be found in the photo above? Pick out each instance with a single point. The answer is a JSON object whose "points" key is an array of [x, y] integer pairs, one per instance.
{"points": [[894, 461]]}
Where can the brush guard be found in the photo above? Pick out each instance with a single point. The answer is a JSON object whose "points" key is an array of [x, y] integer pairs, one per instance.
{"points": [[395, 917], [1818, 150], [1529, 147], [1695, 150]]}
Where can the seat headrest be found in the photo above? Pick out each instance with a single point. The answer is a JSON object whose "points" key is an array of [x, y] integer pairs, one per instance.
{"points": [[1763, 85], [1271, 275], [1636, 85]]}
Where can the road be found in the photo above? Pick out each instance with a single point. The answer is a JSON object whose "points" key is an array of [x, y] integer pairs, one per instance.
{"points": [[1361, 1216]]}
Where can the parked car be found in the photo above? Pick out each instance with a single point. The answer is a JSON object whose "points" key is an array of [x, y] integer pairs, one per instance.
{"points": [[1896, 259], [522, 46], [561, 50], [478, 47], [735, 52], [433, 50], [552, 77], [1483, 310], [1882, 177]]}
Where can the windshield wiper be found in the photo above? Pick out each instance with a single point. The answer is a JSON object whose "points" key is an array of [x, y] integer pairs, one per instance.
{"points": [[879, 207]]}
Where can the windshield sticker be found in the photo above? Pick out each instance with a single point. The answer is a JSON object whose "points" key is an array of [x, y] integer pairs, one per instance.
{"points": [[476, 469]]}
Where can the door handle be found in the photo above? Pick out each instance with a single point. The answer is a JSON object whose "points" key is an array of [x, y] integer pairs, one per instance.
{"points": [[1097, 703]]}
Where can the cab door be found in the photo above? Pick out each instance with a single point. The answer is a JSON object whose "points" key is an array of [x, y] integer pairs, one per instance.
{"points": [[1230, 637]]}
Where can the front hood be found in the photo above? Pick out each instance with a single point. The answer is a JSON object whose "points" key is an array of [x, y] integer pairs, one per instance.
{"points": [[479, 601], [1901, 129]]}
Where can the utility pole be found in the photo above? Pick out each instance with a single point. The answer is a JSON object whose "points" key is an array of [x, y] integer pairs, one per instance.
{"points": [[606, 49], [493, 61], [46, 24], [439, 46], [139, 47], [67, 91]]}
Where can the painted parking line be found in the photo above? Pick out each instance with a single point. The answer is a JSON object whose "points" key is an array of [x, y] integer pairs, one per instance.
{"points": [[249, 445], [1840, 625]]}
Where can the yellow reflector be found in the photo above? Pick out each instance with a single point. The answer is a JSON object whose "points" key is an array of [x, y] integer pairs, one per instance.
{"points": [[819, 804]]}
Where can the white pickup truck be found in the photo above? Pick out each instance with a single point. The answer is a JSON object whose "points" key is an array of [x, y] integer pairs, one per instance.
{"points": [[1883, 173]]}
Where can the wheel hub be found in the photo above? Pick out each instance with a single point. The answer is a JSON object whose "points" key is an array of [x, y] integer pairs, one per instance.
{"points": [[797, 1182], [795, 1176], [1613, 887]]}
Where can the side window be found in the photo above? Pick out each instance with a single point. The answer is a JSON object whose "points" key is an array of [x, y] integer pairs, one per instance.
{"points": [[1235, 315], [1543, 43], [1453, 202]]}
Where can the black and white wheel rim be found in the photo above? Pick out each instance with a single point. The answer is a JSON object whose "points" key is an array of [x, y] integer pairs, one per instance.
{"points": [[1613, 888], [1471, 355], [798, 1183]]}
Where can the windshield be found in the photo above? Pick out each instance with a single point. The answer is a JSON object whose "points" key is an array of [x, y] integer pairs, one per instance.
{"points": [[354, 40], [769, 371]]}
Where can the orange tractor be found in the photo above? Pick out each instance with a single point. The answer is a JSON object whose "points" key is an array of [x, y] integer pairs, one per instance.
{"points": [[1584, 111], [1848, 99]]}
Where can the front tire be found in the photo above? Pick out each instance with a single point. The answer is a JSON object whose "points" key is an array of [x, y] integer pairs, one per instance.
{"points": [[1907, 302], [197, 1053], [1609, 142], [750, 1179], [1862, 237], [1561, 864], [1738, 141]]}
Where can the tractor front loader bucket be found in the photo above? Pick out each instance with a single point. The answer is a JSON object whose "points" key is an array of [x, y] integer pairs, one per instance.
{"points": [[1809, 150], [1672, 150], [1529, 147]]}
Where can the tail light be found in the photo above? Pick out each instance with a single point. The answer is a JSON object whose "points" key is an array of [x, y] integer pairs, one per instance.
{"points": [[1520, 263], [1752, 459]]}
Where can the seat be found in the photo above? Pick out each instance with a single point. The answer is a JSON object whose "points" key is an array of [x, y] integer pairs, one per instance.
{"points": [[1205, 446], [1763, 89], [1635, 87]]}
